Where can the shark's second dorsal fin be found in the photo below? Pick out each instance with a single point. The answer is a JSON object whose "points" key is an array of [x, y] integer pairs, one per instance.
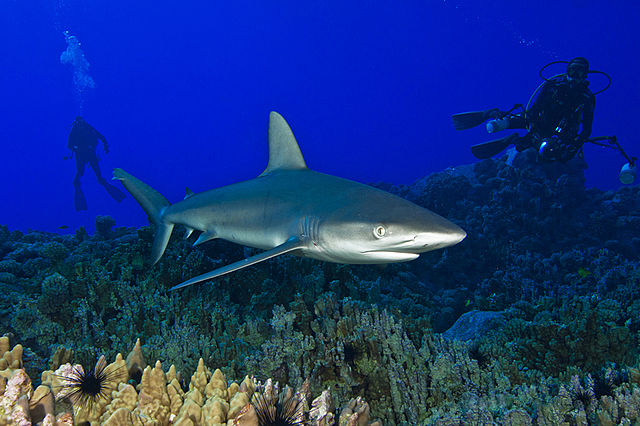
{"points": [[188, 193], [284, 152]]}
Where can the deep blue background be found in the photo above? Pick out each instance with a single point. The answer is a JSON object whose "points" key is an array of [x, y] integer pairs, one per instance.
{"points": [[183, 90]]}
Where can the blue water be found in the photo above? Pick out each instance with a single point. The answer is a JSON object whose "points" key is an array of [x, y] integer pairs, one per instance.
{"points": [[182, 91]]}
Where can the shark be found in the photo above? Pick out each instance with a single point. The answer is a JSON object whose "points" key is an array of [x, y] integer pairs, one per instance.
{"points": [[290, 208]]}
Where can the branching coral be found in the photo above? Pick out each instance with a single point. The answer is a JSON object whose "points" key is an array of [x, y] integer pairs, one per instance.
{"points": [[559, 260]]}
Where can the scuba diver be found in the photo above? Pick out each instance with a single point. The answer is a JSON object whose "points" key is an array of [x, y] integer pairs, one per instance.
{"points": [[83, 140], [559, 122]]}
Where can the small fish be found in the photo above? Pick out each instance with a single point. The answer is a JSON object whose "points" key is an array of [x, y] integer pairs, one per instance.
{"points": [[583, 273], [63, 227], [468, 302]]}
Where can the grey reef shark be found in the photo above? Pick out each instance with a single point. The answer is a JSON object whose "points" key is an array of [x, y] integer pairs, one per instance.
{"points": [[292, 209]]}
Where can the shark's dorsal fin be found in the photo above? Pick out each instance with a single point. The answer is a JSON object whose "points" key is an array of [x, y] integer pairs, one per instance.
{"points": [[284, 152]]}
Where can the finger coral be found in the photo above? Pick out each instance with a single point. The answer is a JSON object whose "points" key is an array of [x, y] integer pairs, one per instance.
{"points": [[103, 396]]}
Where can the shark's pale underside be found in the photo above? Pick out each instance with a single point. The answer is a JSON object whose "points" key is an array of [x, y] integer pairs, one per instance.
{"points": [[292, 209]]}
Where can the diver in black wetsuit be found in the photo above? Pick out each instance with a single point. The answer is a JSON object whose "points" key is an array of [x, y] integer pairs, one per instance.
{"points": [[559, 121], [562, 112], [83, 140]]}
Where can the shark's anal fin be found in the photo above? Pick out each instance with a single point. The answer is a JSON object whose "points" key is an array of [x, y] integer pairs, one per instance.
{"points": [[204, 237], [291, 244]]}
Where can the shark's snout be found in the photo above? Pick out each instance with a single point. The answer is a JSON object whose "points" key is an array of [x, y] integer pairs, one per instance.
{"points": [[433, 240], [453, 237]]}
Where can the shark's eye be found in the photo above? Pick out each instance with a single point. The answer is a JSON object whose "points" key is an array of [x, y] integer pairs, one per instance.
{"points": [[379, 231]]}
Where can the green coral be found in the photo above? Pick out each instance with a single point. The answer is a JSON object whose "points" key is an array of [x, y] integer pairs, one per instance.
{"points": [[582, 332]]}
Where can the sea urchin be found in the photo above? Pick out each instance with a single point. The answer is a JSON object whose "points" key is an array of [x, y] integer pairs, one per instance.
{"points": [[286, 410], [85, 390]]}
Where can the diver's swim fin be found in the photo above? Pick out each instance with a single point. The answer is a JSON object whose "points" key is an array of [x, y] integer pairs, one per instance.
{"points": [[79, 200], [115, 193], [467, 120], [491, 148]]}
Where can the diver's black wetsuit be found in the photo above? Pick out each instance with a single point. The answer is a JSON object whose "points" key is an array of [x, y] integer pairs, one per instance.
{"points": [[83, 140], [560, 109]]}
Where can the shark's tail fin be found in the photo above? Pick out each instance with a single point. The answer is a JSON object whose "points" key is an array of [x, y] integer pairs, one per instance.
{"points": [[153, 204]]}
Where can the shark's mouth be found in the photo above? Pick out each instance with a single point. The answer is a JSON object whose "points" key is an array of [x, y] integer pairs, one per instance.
{"points": [[406, 247], [391, 255]]}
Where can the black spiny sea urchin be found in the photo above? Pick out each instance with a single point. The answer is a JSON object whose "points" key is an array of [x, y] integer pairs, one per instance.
{"points": [[85, 390], [285, 410]]}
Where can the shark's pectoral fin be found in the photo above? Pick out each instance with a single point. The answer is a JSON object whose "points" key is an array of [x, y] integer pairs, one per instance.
{"points": [[290, 245]]}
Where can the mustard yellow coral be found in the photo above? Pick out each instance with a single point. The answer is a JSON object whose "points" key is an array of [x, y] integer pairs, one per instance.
{"points": [[157, 399], [10, 360]]}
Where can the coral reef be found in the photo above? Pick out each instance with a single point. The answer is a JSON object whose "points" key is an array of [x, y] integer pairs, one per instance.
{"points": [[544, 294], [158, 398]]}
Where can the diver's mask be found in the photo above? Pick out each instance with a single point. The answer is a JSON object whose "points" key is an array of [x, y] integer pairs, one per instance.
{"points": [[577, 70]]}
